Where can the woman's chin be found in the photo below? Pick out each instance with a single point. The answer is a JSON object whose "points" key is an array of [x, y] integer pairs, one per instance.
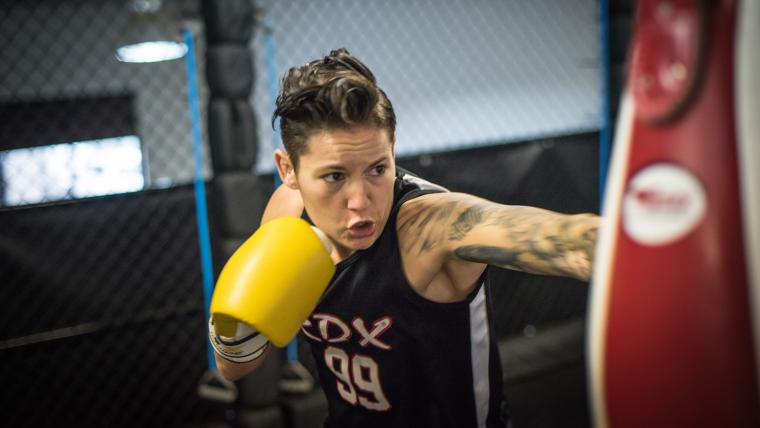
{"points": [[355, 244]]}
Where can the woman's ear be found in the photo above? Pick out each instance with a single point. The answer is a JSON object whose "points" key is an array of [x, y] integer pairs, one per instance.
{"points": [[285, 168]]}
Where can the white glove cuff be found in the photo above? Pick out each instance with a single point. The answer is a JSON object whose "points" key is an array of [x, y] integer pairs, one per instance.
{"points": [[322, 237], [247, 344]]}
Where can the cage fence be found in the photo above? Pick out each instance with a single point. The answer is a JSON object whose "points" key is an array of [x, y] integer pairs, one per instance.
{"points": [[102, 315]]}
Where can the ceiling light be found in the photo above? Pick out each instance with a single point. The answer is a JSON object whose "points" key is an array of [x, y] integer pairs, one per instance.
{"points": [[154, 51], [152, 33]]}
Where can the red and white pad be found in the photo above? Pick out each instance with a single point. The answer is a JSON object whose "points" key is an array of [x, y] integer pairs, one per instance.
{"points": [[675, 287]]}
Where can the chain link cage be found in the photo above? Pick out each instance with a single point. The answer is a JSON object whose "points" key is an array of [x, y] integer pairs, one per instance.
{"points": [[103, 320], [102, 304], [460, 74]]}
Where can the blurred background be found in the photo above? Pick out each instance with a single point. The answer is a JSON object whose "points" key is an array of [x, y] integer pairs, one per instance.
{"points": [[128, 177]]}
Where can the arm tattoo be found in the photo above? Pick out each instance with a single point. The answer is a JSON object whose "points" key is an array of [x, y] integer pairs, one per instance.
{"points": [[522, 238], [536, 241], [479, 253], [427, 222], [466, 220]]}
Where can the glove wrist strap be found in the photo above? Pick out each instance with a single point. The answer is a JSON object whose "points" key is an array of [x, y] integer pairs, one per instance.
{"points": [[247, 344]]}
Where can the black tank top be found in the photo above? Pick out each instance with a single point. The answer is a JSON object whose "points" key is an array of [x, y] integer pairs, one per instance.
{"points": [[388, 357]]}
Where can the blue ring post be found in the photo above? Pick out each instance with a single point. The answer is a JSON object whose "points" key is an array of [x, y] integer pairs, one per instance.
{"points": [[605, 133], [204, 239]]}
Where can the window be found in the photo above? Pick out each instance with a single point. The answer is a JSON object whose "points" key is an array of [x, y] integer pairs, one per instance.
{"points": [[72, 170]]}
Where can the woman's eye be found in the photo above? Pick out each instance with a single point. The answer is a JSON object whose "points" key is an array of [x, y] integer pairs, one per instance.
{"points": [[333, 177], [379, 170]]}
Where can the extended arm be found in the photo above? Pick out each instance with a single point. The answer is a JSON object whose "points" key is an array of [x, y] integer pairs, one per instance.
{"points": [[515, 237]]}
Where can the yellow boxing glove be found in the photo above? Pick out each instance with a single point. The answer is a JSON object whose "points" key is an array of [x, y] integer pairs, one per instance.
{"points": [[273, 281]]}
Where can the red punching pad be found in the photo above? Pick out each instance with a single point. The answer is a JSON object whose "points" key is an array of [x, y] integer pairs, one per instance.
{"points": [[671, 334]]}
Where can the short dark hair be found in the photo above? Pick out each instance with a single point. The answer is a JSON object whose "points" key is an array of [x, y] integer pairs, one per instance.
{"points": [[337, 91]]}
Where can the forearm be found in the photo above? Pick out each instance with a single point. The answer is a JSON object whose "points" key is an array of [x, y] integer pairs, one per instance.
{"points": [[522, 238], [233, 371], [539, 241]]}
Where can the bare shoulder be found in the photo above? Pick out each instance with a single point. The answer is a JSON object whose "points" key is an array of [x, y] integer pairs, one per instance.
{"points": [[424, 230], [284, 202], [433, 219]]}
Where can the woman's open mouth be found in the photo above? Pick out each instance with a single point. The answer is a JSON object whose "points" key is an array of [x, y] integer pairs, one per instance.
{"points": [[361, 229]]}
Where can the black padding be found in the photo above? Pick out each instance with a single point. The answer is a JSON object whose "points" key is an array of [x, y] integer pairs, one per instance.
{"points": [[229, 71], [209, 424], [527, 357], [230, 245], [232, 135], [545, 377], [621, 31], [238, 201], [268, 417], [262, 387], [624, 7], [224, 247], [228, 20], [306, 411], [82, 269], [618, 75], [617, 84], [40, 123]]}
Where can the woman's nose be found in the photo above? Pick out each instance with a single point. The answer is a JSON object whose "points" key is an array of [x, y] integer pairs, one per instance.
{"points": [[358, 197]]}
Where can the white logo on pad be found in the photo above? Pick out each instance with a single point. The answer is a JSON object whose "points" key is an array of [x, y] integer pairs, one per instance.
{"points": [[663, 203]]}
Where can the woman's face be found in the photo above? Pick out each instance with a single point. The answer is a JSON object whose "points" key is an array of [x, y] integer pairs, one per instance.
{"points": [[346, 179]]}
